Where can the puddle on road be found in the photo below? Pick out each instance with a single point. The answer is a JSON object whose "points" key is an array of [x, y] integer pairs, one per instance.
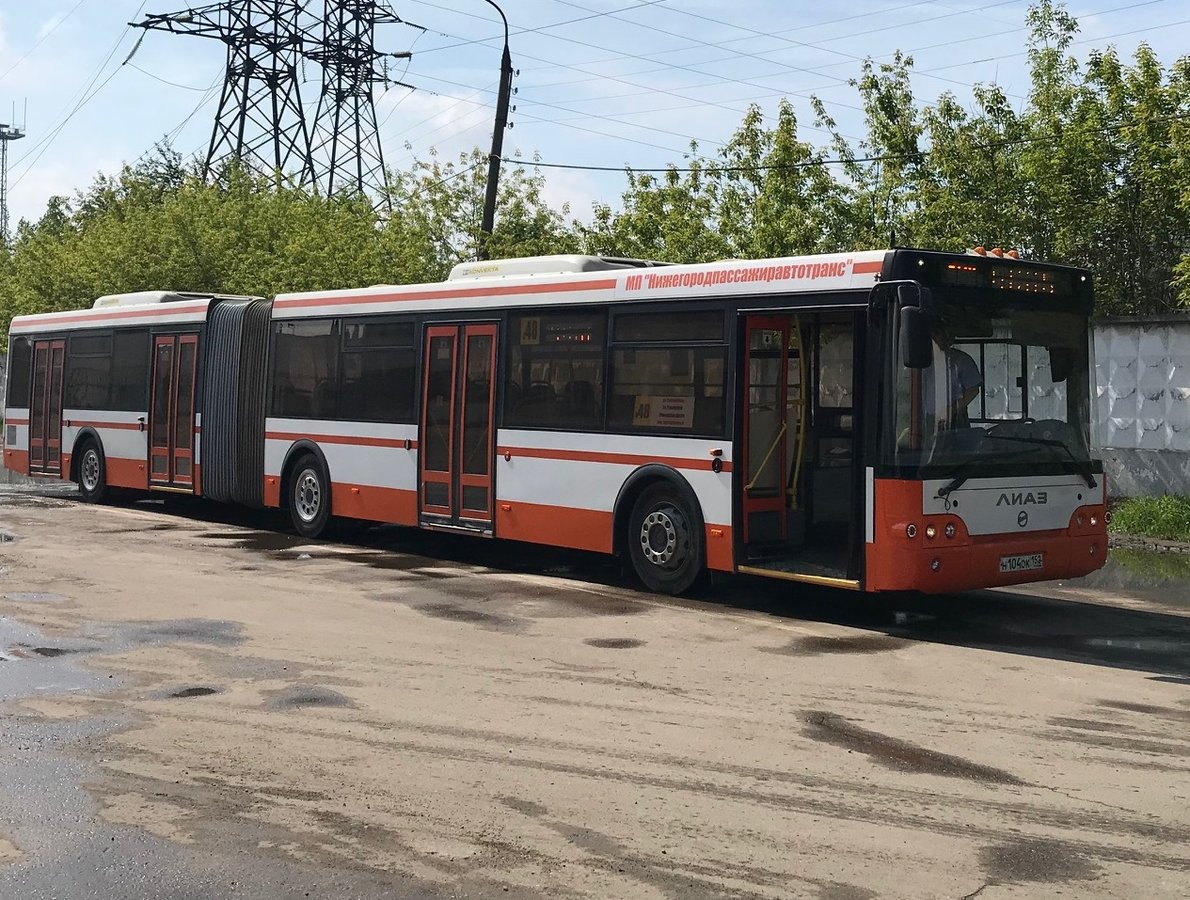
{"points": [[1128, 568], [817, 645], [614, 643], [260, 541], [187, 693], [452, 612], [897, 754], [33, 597]]}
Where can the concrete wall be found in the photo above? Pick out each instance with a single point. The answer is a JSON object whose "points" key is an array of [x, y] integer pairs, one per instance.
{"points": [[1143, 403]]}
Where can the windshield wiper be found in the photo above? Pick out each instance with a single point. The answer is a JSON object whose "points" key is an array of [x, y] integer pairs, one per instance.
{"points": [[1086, 474], [963, 472]]}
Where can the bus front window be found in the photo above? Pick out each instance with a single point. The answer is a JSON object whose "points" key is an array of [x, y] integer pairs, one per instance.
{"points": [[1007, 392]]}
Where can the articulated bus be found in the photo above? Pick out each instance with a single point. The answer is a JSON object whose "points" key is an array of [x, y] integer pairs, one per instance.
{"points": [[881, 420]]}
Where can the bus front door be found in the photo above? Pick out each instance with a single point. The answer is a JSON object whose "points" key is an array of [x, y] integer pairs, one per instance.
{"points": [[45, 416], [457, 426], [171, 414], [797, 446]]}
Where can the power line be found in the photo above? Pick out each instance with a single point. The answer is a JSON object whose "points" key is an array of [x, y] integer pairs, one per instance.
{"points": [[42, 39], [709, 165]]}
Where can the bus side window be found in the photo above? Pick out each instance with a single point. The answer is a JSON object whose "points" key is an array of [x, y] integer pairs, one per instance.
{"points": [[20, 363]]}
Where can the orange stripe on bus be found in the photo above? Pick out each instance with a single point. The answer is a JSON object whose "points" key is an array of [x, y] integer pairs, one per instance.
{"points": [[127, 473], [13, 421], [17, 461], [167, 309], [622, 459], [558, 526], [374, 504], [867, 268], [450, 294], [351, 440]]}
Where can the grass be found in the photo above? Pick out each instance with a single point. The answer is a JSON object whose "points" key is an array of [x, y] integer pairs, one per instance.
{"points": [[1165, 518]]}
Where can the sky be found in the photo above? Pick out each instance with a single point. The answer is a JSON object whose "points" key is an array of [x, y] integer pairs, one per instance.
{"points": [[601, 83]]}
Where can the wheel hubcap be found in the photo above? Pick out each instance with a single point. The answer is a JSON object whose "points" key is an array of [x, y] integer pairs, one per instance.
{"points": [[662, 534], [308, 496], [90, 470]]}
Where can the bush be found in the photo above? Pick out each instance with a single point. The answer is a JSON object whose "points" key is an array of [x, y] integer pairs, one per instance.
{"points": [[1166, 518]]}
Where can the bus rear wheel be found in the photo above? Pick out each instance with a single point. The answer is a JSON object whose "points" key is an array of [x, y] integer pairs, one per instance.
{"points": [[309, 497], [92, 473], [663, 541]]}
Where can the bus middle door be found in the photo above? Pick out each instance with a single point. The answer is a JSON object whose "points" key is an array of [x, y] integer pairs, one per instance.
{"points": [[45, 414], [171, 412], [457, 427]]}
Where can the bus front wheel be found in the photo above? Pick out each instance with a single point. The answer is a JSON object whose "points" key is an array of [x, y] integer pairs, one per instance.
{"points": [[92, 473], [309, 497], [663, 541]]}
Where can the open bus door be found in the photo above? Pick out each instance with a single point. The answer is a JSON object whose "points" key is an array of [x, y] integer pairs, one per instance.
{"points": [[798, 452], [45, 414], [458, 427]]}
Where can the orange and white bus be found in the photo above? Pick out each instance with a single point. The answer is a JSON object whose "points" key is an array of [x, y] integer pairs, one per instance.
{"points": [[879, 420]]}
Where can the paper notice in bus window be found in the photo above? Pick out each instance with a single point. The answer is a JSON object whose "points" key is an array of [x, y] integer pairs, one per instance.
{"points": [[663, 412]]}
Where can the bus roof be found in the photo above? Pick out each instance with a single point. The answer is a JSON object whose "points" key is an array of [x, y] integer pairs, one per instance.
{"points": [[122, 310], [566, 280]]}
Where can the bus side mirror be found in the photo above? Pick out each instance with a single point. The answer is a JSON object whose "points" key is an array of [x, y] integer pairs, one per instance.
{"points": [[917, 351], [1061, 363]]}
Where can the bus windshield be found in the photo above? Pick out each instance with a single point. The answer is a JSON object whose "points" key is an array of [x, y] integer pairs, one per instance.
{"points": [[1007, 392]]}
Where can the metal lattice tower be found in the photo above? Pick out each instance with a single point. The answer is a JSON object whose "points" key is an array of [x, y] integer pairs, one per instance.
{"points": [[346, 150], [8, 133], [260, 120]]}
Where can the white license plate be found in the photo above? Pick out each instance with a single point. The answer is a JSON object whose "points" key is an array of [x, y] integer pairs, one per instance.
{"points": [[1023, 563]]}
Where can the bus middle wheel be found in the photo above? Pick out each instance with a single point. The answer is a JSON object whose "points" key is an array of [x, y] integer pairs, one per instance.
{"points": [[663, 541], [309, 497], [92, 472]]}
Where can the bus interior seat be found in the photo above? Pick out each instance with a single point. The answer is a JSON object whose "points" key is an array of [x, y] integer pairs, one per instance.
{"points": [[580, 401]]}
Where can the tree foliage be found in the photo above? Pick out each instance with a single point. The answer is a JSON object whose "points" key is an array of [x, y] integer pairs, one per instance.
{"points": [[1091, 168]]}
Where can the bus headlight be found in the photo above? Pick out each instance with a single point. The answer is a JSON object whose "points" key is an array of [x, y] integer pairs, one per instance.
{"points": [[931, 532], [949, 530], [1094, 520]]}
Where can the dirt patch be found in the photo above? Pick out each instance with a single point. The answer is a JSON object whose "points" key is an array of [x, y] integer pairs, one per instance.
{"points": [[190, 631], [51, 651], [590, 604], [897, 754], [302, 696], [1086, 724], [1036, 861], [452, 612], [822, 644], [187, 693], [614, 643]]}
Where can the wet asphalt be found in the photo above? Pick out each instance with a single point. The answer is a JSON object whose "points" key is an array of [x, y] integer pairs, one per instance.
{"points": [[70, 852]]}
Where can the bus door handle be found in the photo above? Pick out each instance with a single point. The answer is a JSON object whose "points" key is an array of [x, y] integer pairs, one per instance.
{"points": [[141, 420]]}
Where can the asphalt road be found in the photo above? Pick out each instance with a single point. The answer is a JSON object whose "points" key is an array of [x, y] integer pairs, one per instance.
{"points": [[197, 706]]}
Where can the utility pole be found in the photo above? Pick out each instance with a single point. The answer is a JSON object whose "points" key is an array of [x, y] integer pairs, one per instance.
{"points": [[260, 121], [8, 133], [346, 152], [502, 101]]}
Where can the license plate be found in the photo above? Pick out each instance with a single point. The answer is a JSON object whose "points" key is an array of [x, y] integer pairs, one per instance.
{"points": [[1023, 563]]}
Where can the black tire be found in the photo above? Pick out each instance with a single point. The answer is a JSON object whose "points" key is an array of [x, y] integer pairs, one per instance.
{"points": [[309, 497], [92, 473], [665, 540]]}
